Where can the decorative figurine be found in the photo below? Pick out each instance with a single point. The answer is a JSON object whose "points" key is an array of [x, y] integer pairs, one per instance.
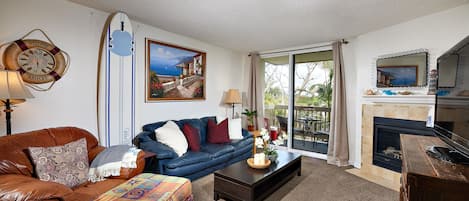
{"points": [[432, 82]]}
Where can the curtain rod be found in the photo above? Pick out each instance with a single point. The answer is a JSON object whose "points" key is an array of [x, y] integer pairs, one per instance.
{"points": [[283, 51]]}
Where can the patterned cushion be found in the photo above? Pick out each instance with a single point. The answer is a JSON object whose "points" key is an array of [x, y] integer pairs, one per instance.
{"points": [[67, 164]]}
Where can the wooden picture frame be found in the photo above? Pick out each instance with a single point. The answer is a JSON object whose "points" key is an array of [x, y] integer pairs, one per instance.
{"points": [[174, 73]]}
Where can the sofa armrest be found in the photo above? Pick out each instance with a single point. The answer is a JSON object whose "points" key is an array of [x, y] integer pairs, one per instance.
{"points": [[92, 153], [127, 173], [143, 136], [20, 187], [246, 134], [161, 150]]}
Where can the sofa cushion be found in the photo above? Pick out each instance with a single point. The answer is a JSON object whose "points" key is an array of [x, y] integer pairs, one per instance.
{"points": [[192, 137], [202, 127], [218, 133], [20, 187], [235, 129], [242, 143], [64, 135], [153, 126], [200, 124], [203, 130], [197, 167], [67, 164], [216, 150], [15, 147], [171, 135], [188, 158], [196, 123], [10, 167]]}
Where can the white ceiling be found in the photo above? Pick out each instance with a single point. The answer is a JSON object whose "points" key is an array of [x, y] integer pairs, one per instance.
{"points": [[258, 25]]}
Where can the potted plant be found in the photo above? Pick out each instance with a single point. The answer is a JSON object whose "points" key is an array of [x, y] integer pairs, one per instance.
{"points": [[250, 115], [265, 142]]}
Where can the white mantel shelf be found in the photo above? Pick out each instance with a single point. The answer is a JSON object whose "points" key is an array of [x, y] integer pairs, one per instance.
{"points": [[400, 99]]}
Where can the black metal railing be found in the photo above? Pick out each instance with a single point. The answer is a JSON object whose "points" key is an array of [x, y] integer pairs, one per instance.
{"points": [[312, 119]]}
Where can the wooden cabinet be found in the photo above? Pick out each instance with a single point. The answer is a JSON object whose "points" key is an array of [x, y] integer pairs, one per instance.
{"points": [[428, 179]]}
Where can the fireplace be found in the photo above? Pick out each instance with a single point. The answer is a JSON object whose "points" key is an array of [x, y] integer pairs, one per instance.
{"points": [[386, 140]]}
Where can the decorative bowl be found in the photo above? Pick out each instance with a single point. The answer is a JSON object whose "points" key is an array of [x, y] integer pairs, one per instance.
{"points": [[258, 166]]}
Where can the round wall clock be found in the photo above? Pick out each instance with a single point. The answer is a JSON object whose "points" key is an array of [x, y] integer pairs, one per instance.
{"points": [[38, 61]]}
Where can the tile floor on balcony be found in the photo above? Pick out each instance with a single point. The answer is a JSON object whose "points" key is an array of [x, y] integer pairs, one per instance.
{"points": [[307, 143]]}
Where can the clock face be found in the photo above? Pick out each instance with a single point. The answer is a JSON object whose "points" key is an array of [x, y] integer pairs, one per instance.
{"points": [[36, 61]]}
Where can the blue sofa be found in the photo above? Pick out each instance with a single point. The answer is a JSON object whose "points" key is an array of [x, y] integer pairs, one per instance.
{"points": [[192, 165]]}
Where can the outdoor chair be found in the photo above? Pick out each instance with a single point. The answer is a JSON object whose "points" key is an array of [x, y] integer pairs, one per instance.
{"points": [[322, 132], [283, 125]]}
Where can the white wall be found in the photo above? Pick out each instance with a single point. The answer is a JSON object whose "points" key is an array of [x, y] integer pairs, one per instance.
{"points": [[437, 33], [72, 101]]}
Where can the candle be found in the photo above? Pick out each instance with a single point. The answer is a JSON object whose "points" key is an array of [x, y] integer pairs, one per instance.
{"points": [[262, 158], [259, 159]]}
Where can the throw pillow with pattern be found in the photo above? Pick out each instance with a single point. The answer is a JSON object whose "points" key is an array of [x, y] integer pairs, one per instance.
{"points": [[67, 164]]}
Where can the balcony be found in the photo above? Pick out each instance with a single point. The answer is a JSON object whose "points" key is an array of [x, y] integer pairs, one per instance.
{"points": [[310, 126]]}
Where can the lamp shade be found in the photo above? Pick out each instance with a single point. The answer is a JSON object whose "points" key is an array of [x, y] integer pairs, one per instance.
{"points": [[13, 101], [233, 97], [12, 86]]}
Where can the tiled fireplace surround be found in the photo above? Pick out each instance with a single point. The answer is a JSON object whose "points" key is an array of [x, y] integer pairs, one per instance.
{"points": [[368, 171]]}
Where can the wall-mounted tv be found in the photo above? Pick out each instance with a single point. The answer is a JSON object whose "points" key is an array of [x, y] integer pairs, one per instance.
{"points": [[452, 106]]}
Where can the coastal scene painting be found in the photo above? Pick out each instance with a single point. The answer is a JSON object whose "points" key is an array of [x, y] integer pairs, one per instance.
{"points": [[397, 76], [174, 72]]}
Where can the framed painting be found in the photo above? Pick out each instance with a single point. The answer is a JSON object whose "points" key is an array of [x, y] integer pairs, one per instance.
{"points": [[397, 76], [174, 73]]}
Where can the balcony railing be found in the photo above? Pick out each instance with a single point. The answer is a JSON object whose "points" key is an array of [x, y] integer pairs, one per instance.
{"points": [[310, 125], [321, 115]]}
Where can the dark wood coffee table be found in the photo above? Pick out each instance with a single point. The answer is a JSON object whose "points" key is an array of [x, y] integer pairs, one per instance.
{"points": [[243, 183]]}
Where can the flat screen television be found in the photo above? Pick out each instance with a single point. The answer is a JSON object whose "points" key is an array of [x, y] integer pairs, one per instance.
{"points": [[452, 102]]}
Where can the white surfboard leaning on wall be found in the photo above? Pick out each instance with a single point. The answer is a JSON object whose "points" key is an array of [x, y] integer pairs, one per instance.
{"points": [[116, 82]]}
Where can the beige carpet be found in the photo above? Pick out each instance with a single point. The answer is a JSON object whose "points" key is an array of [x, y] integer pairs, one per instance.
{"points": [[318, 182]]}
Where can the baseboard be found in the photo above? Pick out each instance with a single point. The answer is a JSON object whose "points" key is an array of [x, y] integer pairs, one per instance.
{"points": [[304, 153], [355, 164]]}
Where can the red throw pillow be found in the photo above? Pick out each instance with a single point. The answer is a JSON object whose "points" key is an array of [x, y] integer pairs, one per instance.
{"points": [[192, 137], [217, 134]]}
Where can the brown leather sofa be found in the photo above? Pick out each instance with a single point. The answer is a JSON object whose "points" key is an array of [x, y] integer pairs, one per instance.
{"points": [[17, 177]]}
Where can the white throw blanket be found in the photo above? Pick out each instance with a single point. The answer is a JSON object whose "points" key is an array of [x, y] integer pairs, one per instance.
{"points": [[110, 161]]}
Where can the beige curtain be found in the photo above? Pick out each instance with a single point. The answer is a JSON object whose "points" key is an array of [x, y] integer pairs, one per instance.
{"points": [[255, 95], [337, 153]]}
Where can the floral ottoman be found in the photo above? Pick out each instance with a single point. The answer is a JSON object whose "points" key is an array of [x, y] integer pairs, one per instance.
{"points": [[148, 186]]}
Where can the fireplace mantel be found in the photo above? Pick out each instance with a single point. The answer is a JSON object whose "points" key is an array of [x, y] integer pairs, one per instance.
{"points": [[400, 99]]}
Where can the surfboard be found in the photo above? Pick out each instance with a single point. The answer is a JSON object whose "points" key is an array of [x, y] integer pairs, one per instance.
{"points": [[116, 82]]}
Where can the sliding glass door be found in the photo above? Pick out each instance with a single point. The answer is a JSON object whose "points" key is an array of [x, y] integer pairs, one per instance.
{"points": [[297, 99], [276, 97], [313, 76]]}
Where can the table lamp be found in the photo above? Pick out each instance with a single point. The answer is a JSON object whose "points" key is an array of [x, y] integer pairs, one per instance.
{"points": [[233, 97], [12, 91]]}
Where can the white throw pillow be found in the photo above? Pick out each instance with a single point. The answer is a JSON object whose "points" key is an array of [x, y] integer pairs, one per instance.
{"points": [[170, 134], [234, 129]]}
